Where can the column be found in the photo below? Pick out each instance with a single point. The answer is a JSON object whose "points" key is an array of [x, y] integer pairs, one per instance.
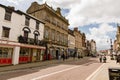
{"points": [[15, 59]]}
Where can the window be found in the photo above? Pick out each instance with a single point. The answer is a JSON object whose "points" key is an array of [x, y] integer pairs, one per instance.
{"points": [[53, 34], [46, 33], [26, 34], [6, 32], [35, 38], [6, 52], [37, 25], [27, 21], [8, 15], [24, 51]]}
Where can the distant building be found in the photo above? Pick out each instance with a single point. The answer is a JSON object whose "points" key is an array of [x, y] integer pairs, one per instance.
{"points": [[88, 47], [78, 41], [117, 39], [20, 36], [93, 46], [71, 43]]}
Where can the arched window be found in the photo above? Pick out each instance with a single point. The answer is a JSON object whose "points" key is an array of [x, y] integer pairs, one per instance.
{"points": [[36, 34]]}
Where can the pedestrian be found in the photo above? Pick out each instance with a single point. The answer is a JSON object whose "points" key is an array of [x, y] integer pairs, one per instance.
{"points": [[117, 59], [63, 56], [104, 59], [78, 56], [74, 55], [100, 58]]}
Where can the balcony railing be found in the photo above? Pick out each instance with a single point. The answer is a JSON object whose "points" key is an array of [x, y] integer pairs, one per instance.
{"points": [[24, 40]]}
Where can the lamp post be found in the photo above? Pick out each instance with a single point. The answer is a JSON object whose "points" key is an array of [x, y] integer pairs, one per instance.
{"points": [[111, 49]]}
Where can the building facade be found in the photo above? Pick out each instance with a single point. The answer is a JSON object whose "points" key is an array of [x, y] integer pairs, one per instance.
{"points": [[93, 47], [78, 41], [71, 43], [84, 49], [88, 47], [55, 31], [118, 38], [20, 36]]}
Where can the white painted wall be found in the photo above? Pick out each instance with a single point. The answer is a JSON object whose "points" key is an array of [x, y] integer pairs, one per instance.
{"points": [[16, 24]]}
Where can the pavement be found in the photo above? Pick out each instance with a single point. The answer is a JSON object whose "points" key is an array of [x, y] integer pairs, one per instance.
{"points": [[35, 64], [102, 73]]}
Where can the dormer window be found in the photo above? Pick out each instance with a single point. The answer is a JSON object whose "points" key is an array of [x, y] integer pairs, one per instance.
{"points": [[8, 15], [27, 21], [37, 25]]}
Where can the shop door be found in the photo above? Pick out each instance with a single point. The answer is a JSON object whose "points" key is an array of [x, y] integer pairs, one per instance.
{"points": [[38, 55]]}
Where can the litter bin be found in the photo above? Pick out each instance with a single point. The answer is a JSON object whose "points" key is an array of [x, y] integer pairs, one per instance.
{"points": [[114, 73]]}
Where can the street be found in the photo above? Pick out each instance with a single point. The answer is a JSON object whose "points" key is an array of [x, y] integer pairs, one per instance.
{"points": [[74, 70]]}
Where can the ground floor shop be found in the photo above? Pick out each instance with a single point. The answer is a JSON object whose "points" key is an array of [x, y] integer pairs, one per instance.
{"points": [[71, 51], [55, 51], [20, 53]]}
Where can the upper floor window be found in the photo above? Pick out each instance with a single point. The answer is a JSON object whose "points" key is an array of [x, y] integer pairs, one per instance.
{"points": [[35, 37], [37, 25], [26, 34], [8, 15], [27, 21], [46, 33], [6, 32], [53, 34]]}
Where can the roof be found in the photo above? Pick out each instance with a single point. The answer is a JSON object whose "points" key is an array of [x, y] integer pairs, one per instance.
{"points": [[20, 12]]}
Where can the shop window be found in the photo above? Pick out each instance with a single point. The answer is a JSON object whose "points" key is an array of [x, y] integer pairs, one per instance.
{"points": [[6, 32], [8, 15], [23, 52], [6, 52]]}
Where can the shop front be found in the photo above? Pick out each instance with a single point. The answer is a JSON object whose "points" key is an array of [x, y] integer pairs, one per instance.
{"points": [[6, 56], [71, 52], [24, 56]]}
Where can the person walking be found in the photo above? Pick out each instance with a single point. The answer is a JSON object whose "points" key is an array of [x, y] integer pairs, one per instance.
{"points": [[104, 59], [100, 58], [63, 56]]}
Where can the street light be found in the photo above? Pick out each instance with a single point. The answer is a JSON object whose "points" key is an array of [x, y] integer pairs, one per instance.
{"points": [[111, 48]]}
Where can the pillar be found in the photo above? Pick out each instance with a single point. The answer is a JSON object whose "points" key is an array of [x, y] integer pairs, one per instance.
{"points": [[15, 59]]}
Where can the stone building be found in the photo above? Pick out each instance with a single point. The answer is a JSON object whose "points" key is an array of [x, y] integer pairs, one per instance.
{"points": [[88, 47], [117, 39], [20, 36], [93, 47], [71, 42], [78, 41], [84, 49], [115, 46], [55, 31]]}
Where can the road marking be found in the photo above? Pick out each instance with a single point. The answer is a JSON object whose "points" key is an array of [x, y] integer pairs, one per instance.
{"points": [[93, 74], [55, 73], [43, 76]]}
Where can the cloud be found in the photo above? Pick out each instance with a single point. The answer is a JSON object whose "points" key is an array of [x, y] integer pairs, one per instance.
{"points": [[100, 35], [81, 13]]}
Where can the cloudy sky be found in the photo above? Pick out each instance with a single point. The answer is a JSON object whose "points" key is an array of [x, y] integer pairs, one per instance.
{"points": [[96, 18]]}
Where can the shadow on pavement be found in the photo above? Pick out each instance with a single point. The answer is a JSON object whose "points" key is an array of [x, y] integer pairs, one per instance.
{"points": [[20, 72]]}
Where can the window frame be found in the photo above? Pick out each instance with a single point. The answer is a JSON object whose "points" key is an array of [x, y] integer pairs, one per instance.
{"points": [[5, 31]]}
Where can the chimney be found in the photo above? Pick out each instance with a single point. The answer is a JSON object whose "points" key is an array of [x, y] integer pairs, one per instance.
{"points": [[58, 11], [11, 7], [76, 29]]}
